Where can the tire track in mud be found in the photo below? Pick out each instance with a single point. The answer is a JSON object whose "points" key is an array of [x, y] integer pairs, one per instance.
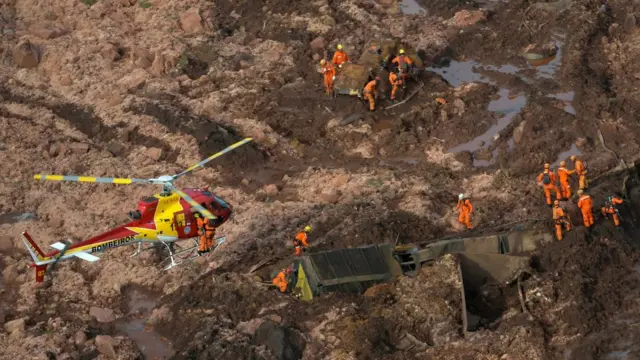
{"points": [[87, 122]]}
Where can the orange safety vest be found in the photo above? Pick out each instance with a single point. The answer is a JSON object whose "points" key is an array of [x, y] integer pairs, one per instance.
{"points": [[370, 87], [300, 239]]}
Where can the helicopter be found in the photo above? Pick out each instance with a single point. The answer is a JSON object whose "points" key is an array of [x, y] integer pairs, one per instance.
{"points": [[160, 220]]}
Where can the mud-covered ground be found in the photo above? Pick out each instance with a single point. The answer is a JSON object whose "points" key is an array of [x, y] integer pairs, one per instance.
{"points": [[141, 89]]}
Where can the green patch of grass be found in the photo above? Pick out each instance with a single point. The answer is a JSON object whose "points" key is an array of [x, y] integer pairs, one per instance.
{"points": [[183, 61], [88, 2], [144, 4]]}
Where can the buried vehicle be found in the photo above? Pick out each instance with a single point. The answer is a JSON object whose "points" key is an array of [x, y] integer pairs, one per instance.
{"points": [[374, 61]]}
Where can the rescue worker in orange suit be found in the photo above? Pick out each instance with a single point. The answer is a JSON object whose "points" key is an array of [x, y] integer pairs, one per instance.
{"points": [[563, 176], [370, 93], [281, 281], [329, 74], [206, 232], [465, 208], [396, 82], [403, 62], [611, 207], [339, 57], [560, 218], [548, 180], [581, 170], [585, 203], [301, 241]]}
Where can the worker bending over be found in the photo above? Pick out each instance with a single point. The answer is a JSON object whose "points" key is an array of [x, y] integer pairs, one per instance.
{"points": [[370, 93], [403, 62], [329, 74], [281, 281], [585, 203], [560, 218], [301, 241], [396, 82], [339, 57], [611, 207], [206, 231], [465, 208], [548, 180], [563, 175], [581, 170]]}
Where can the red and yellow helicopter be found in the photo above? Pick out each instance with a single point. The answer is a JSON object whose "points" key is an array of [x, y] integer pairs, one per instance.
{"points": [[161, 219]]}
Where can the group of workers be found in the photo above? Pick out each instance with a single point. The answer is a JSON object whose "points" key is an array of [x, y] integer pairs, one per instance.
{"points": [[547, 179], [206, 233], [397, 80]]}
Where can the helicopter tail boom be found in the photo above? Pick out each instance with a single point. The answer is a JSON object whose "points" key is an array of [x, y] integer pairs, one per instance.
{"points": [[39, 259]]}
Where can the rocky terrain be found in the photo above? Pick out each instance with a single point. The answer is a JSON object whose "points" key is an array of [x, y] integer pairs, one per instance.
{"points": [[129, 88]]}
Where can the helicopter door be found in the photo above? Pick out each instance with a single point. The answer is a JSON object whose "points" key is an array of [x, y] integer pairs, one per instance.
{"points": [[181, 224]]}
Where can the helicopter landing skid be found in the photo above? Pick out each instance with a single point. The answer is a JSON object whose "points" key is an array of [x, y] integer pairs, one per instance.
{"points": [[186, 254]]}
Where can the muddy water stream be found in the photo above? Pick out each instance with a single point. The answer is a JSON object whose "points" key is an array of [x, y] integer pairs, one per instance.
{"points": [[458, 73], [139, 304], [14, 217], [411, 7]]}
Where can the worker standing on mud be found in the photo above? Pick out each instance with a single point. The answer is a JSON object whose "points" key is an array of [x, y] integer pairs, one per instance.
{"points": [[581, 170], [396, 82], [611, 207], [370, 93], [563, 175], [465, 208], [403, 62], [301, 241], [329, 74], [585, 203], [560, 218], [339, 57], [548, 181], [206, 232]]}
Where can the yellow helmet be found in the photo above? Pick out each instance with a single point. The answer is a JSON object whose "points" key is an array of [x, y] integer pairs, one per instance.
{"points": [[307, 228], [339, 46], [323, 62], [573, 158], [401, 51], [563, 163], [546, 166]]}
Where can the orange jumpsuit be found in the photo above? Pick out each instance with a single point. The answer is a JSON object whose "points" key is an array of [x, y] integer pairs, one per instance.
{"points": [[339, 57], [299, 242], [560, 218], [370, 94], [565, 186], [393, 79], [402, 61], [610, 208], [465, 208], [329, 74], [585, 203], [582, 175], [206, 232], [281, 281], [549, 187]]}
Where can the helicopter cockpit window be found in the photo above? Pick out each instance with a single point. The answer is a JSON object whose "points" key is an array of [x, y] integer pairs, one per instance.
{"points": [[214, 205]]}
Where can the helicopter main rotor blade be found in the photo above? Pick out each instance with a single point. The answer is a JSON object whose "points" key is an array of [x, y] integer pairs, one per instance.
{"points": [[91, 179], [194, 204], [203, 162]]}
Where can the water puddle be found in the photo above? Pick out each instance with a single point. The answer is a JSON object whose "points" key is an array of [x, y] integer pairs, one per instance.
{"points": [[546, 67], [565, 155], [619, 355], [14, 217], [509, 106], [567, 98], [151, 344], [411, 7]]}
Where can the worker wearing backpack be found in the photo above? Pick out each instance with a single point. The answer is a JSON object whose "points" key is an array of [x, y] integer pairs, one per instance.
{"points": [[548, 181]]}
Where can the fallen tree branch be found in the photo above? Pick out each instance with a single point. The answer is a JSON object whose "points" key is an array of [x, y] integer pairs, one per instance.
{"points": [[407, 99]]}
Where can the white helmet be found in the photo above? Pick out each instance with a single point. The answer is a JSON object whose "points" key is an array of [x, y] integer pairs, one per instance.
{"points": [[461, 196]]}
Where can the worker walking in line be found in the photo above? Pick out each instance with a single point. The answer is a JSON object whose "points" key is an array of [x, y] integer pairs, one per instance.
{"points": [[370, 93], [563, 176], [403, 62], [581, 170], [206, 232], [548, 180], [465, 208], [340, 57], [396, 82], [585, 203], [560, 218], [329, 74], [611, 207], [301, 241], [281, 281]]}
